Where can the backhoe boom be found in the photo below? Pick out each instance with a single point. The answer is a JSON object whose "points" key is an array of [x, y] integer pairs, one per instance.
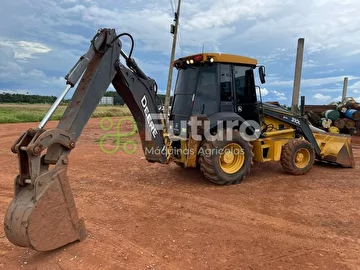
{"points": [[42, 214]]}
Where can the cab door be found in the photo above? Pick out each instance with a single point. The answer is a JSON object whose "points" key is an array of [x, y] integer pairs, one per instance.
{"points": [[245, 100], [227, 101]]}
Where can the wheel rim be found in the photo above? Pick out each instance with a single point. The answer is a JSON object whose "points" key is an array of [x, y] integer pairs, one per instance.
{"points": [[232, 158], [302, 158]]}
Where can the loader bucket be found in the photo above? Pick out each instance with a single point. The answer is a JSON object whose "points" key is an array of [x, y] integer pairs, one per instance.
{"points": [[43, 215], [335, 148]]}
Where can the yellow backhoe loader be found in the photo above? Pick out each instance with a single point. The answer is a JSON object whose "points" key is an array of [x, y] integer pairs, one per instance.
{"points": [[216, 124]]}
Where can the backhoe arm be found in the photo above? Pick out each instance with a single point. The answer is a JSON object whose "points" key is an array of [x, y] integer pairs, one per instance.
{"points": [[42, 214]]}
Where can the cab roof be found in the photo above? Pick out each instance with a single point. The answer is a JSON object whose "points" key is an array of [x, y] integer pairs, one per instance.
{"points": [[222, 58]]}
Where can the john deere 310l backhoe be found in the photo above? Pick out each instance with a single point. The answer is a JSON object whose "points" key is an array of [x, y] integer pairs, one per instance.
{"points": [[216, 124]]}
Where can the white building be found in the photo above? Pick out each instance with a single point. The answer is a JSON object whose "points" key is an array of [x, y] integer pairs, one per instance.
{"points": [[107, 101]]}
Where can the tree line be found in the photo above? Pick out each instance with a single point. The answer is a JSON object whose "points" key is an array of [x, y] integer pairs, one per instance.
{"points": [[21, 98], [36, 99]]}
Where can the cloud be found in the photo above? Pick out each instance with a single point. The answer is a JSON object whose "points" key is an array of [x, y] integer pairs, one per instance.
{"points": [[319, 47], [355, 85], [25, 49], [71, 39], [321, 98], [329, 90], [337, 99], [15, 75], [279, 95], [329, 71], [40, 42], [154, 66], [310, 63], [352, 53], [18, 91], [297, 19], [263, 91], [313, 82], [272, 57]]}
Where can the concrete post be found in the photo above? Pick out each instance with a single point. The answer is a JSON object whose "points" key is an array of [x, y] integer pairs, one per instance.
{"points": [[297, 76], [344, 93]]}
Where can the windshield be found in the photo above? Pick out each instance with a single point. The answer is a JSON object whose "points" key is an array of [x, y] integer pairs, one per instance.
{"points": [[184, 90], [206, 98], [196, 91], [186, 81]]}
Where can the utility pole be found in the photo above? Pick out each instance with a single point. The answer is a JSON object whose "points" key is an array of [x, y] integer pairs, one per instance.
{"points": [[297, 76], [344, 93], [174, 30]]}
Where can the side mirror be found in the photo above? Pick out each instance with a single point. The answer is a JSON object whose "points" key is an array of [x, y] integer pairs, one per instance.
{"points": [[262, 74]]}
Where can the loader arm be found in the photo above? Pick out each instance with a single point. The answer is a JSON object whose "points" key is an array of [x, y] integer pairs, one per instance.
{"points": [[42, 214], [301, 126], [333, 148]]}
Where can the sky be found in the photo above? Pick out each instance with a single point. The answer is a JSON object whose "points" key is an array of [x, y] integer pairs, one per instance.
{"points": [[41, 40]]}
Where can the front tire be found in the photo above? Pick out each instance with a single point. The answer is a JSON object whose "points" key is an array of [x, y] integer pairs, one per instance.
{"points": [[297, 157], [226, 162]]}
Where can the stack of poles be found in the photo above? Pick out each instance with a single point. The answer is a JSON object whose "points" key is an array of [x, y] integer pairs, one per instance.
{"points": [[345, 118]]}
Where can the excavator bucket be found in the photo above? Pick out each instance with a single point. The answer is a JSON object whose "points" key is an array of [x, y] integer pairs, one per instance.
{"points": [[335, 148], [42, 214]]}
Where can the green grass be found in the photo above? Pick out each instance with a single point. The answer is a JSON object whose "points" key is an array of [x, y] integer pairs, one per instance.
{"points": [[16, 113]]}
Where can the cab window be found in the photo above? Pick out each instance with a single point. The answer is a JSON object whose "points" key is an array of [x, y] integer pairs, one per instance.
{"points": [[244, 84], [225, 83], [207, 91]]}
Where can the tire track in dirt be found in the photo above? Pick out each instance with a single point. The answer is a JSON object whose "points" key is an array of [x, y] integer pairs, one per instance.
{"points": [[132, 246], [223, 215]]}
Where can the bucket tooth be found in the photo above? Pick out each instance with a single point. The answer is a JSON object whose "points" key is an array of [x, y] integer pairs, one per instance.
{"points": [[43, 215]]}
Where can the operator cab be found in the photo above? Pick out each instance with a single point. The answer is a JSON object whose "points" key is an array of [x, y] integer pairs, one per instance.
{"points": [[210, 83]]}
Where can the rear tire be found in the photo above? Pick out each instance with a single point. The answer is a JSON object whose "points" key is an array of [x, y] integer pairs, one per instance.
{"points": [[231, 164], [297, 156]]}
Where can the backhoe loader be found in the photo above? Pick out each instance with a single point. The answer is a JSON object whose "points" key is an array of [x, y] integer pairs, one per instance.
{"points": [[216, 124]]}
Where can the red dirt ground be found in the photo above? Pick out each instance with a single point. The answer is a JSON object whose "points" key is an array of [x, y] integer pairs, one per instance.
{"points": [[151, 216]]}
